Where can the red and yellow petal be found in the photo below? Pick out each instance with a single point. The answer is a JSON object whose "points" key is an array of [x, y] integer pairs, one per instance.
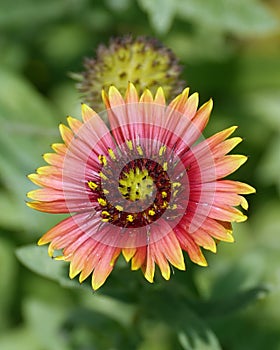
{"points": [[149, 267], [54, 159], [234, 186], [204, 240], [190, 108], [138, 260], [146, 97], [66, 134], [160, 97], [131, 94], [53, 207], [88, 113], [167, 249], [202, 116], [129, 253], [74, 124], [228, 164], [59, 148], [104, 267], [50, 181], [131, 118], [179, 103], [187, 243]]}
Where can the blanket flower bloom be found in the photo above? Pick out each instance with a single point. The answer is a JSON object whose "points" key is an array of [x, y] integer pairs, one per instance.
{"points": [[143, 61], [143, 187]]}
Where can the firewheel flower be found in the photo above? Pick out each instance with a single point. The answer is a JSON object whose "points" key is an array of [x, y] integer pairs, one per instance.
{"points": [[145, 62], [149, 186]]}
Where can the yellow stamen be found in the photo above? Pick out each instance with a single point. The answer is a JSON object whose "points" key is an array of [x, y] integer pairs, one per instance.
{"points": [[119, 207], [176, 184], [139, 150], [112, 154], [101, 201], [152, 212], [129, 144], [162, 150], [163, 194], [165, 167], [105, 212], [130, 218], [103, 176], [92, 185], [102, 159]]}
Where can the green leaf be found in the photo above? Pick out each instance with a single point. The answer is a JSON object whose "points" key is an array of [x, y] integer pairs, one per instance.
{"points": [[87, 329], [46, 322], [269, 167], [239, 17], [192, 333], [264, 105], [188, 45], [21, 338], [198, 343], [37, 260], [118, 6], [22, 11], [16, 216], [8, 273], [27, 128], [220, 307], [266, 228], [161, 13], [157, 336], [123, 313]]}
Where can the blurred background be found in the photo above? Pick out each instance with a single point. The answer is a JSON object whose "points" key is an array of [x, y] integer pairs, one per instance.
{"points": [[230, 50]]}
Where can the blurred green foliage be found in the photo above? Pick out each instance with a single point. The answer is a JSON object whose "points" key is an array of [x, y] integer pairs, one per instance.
{"points": [[230, 51]]}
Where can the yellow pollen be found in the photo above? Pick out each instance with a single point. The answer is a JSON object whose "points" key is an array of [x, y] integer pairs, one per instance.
{"points": [[105, 219], [175, 193], [176, 184], [105, 212], [165, 204], [163, 194], [92, 185], [111, 153], [139, 150], [105, 191], [130, 218], [136, 184], [102, 159], [102, 202], [173, 206], [103, 176], [165, 166], [152, 212], [119, 207], [162, 150], [129, 144]]}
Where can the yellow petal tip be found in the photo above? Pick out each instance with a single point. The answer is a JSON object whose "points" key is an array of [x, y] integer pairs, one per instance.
{"points": [[41, 242], [86, 109]]}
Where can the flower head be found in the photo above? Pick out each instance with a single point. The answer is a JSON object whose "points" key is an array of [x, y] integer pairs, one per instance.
{"points": [[142, 61], [144, 188]]}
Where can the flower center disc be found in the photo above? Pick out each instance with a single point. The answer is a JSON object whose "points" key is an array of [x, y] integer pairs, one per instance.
{"points": [[138, 197], [136, 185]]}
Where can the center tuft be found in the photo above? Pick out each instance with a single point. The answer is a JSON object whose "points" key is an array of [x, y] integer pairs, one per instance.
{"points": [[138, 193], [136, 184]]}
